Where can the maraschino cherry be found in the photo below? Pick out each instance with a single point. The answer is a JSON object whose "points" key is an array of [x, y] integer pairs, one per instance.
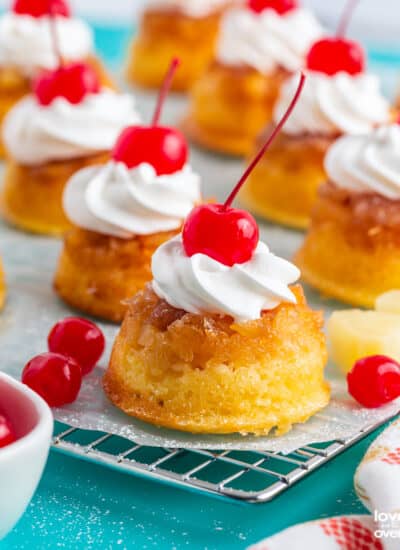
{"points": [[280, 6], [7, 434], [75, 346], [374, 381], [72, 81], [337, 54], [228, 235], [40, 8], [78, 338], [163, 147], [55, 377]]}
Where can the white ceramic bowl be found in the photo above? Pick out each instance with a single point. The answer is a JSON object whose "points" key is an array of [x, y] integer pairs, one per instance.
{"points": [[22, 462]]}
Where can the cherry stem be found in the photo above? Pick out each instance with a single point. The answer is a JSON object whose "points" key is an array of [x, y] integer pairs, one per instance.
{"points": [[54, 35], [164, 90], [346, 18], [271, 138]]}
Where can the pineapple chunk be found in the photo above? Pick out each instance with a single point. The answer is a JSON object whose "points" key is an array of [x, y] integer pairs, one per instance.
{"points": [[354, 334], [388, 302]]}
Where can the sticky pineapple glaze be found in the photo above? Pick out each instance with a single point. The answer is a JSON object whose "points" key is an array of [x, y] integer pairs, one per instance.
{"points": [[206, 374], [283, 187], [98, 273], [223, 98], [163, 35], [352, 250]]}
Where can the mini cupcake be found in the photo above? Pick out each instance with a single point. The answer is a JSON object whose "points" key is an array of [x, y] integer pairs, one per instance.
{"points": [[260, 45], [68, 123], [121, 213], [185, 28], [352, 249], [220, 341], [339, 98], [211, 349], [26, 46], [283, 187]]}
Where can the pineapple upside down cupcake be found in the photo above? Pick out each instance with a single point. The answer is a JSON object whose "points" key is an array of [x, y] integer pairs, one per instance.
{"points": [[121, 213], [259, 46], [220, 341], [68, 123], [283, 187], [184, 28], [352, 249], [339, 98], [26, 46]]}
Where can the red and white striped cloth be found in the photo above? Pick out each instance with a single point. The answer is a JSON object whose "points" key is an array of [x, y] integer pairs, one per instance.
{"points": [[377, 483]]}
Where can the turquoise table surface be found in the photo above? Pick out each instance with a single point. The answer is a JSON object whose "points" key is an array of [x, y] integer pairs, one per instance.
{"points": [[80, 505]]}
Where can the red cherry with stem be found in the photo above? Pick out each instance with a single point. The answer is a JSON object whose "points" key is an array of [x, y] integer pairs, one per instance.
{"points": [[337, 54], [163, 147], [40, 8], [80, 339], [374, 381], [227, 235], [280, 6], [221, 232], [73, 82], [7, 434], [54, 377]]}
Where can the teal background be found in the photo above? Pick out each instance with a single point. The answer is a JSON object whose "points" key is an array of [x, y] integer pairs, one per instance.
{"points": [[80, 505], [85, 506]]}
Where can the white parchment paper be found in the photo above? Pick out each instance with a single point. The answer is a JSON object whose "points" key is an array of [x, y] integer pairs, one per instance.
{"points": [[33, 307]]}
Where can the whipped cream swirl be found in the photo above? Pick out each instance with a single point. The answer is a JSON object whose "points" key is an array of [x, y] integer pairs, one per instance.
{"points": [[35, 134], [267, 40], [26, 41], [192, 8], [330, 105], [120, 202], [367, 164], [201, 285]]}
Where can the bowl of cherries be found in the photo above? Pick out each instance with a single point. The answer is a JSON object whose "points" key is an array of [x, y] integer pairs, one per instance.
{"points": [[26, 425]]}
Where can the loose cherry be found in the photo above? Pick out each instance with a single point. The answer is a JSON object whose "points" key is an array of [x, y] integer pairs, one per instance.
{"points": [[7, 434], [40, 8], [280, 6], [221, 232], [374, 381], [337, 54], [54, 377], [72, 82], [163, 147], [80, 339]]}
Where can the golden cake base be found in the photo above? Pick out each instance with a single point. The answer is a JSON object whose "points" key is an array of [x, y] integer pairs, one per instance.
{"points": [[14, 86], [32, 195], [203, 374], [97, 274], [283, 186], [230, 106], [349, 254], [164, 35]]}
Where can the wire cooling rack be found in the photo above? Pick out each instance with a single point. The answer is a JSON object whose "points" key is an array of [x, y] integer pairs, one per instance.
{"points": [[250, 476]]}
